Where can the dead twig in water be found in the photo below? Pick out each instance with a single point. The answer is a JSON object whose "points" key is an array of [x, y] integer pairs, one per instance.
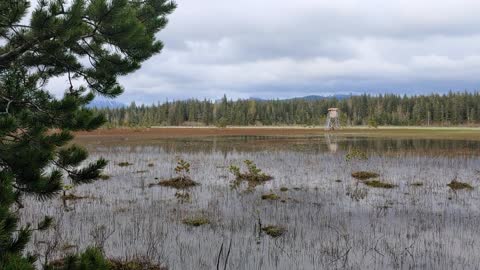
{"points": [[228, 254], [218, 257]]}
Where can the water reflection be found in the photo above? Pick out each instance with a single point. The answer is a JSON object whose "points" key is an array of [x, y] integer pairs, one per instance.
{"points": [[312, 144], [331, 141]]}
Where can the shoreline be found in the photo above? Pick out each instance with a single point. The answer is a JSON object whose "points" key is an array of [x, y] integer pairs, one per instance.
{"points": [[152, 133]]}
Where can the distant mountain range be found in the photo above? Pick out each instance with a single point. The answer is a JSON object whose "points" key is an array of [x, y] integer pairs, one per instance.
{"points": [[101, 103], [309, 98]]}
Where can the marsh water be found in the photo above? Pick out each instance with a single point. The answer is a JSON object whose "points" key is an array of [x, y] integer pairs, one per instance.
{"points": [[332, 220]]}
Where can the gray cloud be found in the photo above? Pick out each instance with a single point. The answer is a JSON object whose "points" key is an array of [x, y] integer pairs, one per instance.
{"points": [[274, 48]]}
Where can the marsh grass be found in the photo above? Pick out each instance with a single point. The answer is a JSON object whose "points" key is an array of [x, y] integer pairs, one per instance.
{"points": [[326, 228], [356, 193]]}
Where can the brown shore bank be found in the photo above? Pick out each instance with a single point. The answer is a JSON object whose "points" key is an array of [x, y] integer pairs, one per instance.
{"points": [[137, 134]]}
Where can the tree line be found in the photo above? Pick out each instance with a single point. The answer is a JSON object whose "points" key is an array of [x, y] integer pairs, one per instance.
{"points": [[454, 108]]}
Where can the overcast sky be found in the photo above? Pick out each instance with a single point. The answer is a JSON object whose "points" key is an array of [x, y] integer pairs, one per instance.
{"points": [[276, 48]]}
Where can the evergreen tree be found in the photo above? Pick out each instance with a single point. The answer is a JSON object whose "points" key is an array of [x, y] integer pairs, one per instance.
{"points": [[115, 37]]}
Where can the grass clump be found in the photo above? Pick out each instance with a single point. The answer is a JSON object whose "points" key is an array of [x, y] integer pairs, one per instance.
{"points": [[253, 173], [283, 189], [196, 221], [457, 185], [124, 164], [363, 175], [274, 231], [270, 197], [182, 180], [379, 184], [178, 183]]}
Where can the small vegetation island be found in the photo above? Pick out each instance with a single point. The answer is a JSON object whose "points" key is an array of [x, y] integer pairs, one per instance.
{"points": [[356, 181]]}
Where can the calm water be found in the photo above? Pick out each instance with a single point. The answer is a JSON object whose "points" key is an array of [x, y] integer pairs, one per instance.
{"points": [[333, 221]]}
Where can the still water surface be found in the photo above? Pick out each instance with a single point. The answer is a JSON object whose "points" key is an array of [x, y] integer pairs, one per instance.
{"points": [[332, 220]]}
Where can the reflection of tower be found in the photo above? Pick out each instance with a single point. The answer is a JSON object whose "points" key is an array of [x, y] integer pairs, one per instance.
{"points": [[331, 143], [332, 119]]}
